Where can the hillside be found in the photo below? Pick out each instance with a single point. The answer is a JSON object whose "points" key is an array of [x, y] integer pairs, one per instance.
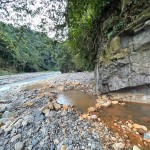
{"points": [[24, 50]]}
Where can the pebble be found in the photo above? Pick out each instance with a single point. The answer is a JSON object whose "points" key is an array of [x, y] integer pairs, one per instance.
{"points": [[52, 147], [8, 129], [147, 137], [28, 104], [93, 117], [141, 131], [130, 125], [70, 147], [16, 137], [34, 142], [46, 112], [56, 141], [8, 114], [114, 139], [29, 118], [44, 131], [3, 120], [93, 146], [64, 113], [38, 115], [6, 141], [30, 147], [24, 123], [114, 102], [63, 147], [136, 148], [19, 146], [1, 148], [119, 145]]}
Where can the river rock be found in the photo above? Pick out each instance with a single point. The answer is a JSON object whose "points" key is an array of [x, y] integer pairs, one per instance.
{"points": [[91, 109], [104, 103], [18, 123], [19, 146], [44, 131], [63, 147], [8, 129], [16, 137], [98, 105], [141, 131], [8, 114], [57, 106], [34, 142], [137, 126], [50, 105], [114, 102], [46, 112], [119, 145], [93, 146], [93, 117], [114, 139], [65, 107], [70, 147], [60, 88], [38, 115], [130, 125], [2, 121], [136, 148], [84, 116], [24, 123], [29, 118], [3, 107], [41, 95], [64, 113], [147, 137], [2, 148], [28, 104]]}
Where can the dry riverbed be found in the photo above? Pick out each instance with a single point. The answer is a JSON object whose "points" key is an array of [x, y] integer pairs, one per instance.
{"points": [[31, 118]]}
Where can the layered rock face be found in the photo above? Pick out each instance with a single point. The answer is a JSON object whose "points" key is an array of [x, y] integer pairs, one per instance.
{"points": [[124, 61]]}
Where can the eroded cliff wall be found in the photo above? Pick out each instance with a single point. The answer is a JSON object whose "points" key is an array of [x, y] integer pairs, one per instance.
{"points": [[124, 55]]}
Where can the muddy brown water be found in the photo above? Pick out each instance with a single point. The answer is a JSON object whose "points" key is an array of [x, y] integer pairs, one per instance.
{"points": [[81, 100], [138, 112]]}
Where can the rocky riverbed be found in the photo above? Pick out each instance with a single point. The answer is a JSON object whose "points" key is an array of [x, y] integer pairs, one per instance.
{"points": [[7, 79], [31, 118]]}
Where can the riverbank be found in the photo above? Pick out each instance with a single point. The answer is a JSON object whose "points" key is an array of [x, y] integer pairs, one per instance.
{"points": [[32, 118], [8, 79]]}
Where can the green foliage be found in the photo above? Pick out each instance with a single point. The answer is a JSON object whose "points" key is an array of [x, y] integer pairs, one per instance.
{"points": [[64, 59], [24, 50], [84, 30]]}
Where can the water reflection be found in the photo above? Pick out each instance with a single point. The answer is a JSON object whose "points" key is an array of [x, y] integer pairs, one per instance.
{"points": [[81, 100]]}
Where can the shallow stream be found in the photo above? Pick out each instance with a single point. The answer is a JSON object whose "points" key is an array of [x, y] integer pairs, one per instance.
{"points": [[139, 113]]}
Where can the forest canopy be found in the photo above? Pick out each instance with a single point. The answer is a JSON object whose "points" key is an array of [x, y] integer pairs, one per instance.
{"points": [[72, 23]]}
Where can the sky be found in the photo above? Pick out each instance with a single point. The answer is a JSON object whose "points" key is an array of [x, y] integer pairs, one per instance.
{"points": [[45, 13]]}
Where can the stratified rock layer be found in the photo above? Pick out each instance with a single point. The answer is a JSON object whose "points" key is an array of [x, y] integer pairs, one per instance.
{"points": [[127, 63]]}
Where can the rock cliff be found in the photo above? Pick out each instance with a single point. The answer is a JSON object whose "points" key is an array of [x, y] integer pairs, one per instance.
{"points": [[124, 55]]}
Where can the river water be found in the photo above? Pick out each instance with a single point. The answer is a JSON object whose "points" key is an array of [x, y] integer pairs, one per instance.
{"points": [[139, 113]]}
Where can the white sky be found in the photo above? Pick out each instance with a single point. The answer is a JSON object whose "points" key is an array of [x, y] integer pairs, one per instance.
{"points": [[47, 8]]}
